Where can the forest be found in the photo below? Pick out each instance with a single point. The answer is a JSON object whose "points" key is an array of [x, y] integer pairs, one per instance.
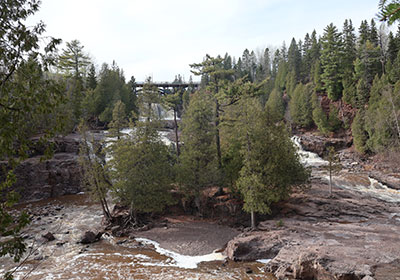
{"points": [[233, 133]]}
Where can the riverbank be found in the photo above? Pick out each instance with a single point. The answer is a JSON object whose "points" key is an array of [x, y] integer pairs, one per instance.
{"points": [[189, 236], [351, 235]]}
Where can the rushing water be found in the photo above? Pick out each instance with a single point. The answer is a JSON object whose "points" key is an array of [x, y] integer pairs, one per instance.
{"points": [[352, 181], [69, 216]]}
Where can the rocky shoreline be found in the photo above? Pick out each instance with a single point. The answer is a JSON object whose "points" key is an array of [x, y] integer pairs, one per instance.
{"points": [[352, 235]]}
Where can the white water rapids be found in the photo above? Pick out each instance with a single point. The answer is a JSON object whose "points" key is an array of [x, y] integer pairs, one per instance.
{"points": [[355, 182]]}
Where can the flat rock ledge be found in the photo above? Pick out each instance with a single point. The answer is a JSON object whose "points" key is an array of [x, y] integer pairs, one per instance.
{"points": [[349, 236]]}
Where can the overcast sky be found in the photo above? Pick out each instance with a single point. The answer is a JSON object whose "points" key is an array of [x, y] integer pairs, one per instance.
{"points": [[160, 38]]}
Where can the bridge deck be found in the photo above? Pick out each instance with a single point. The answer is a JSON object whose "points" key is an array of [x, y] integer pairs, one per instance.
{"points": [[170, 85]]}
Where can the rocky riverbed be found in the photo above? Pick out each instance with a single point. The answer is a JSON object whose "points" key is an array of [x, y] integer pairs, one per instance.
{"points": [[352, 235]]}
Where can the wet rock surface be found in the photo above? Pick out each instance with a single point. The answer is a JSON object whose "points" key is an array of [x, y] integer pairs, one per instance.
{"points": [[90, 237], [39, 178], [319, 144], [348, 236]]}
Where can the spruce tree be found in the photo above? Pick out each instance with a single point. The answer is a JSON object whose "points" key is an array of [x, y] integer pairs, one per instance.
{"points": [[331, 59]]}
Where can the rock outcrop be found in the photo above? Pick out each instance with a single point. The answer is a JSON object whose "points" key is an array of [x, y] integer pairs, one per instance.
{"points": [[60, 175], [349, 236], [319, 144]]}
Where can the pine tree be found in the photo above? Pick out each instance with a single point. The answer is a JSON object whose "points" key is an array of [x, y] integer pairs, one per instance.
{"points": [[373, 34], [393, 47], [73, 60], [213, 68], [389, 10], [111, 88]]}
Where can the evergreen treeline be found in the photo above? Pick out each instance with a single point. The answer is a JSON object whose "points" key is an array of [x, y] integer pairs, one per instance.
{"points": [[337, 81]]}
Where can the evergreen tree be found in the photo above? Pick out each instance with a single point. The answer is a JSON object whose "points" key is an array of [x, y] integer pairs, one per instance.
{"points": [[319, 116], [271, 164], [294, 60], [349, 48], [174, 101], [393, 47], [198, 161], [373, 34], [110, 89], [360, 136], [363, 32], [331, 57], [300, 106], [280, 80], [91, 80], [147, 97], [212, 67], [73, 61], [141, 172], [389, 10], [118, 119], [27, 93], [267, 63], [275, 104], [316, 75], [382, 116], [132, 107]]}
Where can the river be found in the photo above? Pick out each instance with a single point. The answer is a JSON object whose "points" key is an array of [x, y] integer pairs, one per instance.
{"points": [[69, 217]]}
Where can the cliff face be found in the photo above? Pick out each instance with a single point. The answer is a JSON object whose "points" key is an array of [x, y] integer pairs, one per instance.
{"points": [[57, 176]]}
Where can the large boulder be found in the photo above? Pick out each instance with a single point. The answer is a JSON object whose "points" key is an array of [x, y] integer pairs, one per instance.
{"points": [[90, 237], [319, 144], [253, 247]]}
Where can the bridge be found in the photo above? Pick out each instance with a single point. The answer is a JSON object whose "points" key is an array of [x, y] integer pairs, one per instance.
{"points": [[166, 87]]}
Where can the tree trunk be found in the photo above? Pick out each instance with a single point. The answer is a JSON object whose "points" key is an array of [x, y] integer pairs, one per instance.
{"points": [[217, 137], [176, 134], [330, 179], [253, 220]]}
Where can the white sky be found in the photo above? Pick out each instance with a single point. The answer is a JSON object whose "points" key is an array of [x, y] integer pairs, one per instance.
{"points": [[160, 38]]}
